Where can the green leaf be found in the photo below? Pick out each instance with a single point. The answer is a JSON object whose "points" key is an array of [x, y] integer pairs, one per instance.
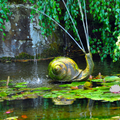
{"points": [[111, 78], [43, 88], [19, 86], [3, 26], [1, 30], [1, 20], [4, 34], [21, 83]]}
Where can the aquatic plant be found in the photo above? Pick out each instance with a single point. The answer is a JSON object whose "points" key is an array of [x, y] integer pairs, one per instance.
{"points": [[67, 92], [117, 50], [24, 55], [115, 89]]}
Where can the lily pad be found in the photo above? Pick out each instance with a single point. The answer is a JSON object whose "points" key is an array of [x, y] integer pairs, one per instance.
{"points": [[111, 78], [97, 80], [77, 91], [49, 95], [5, 80], [111, 83], [3, 94], [36, 91], [19, 86], [64, 85], [21, 83], [78, 83], [42, 88], [63, 91]]}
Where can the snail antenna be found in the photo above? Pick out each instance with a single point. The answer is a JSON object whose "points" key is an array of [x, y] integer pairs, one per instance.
{"points": [[74, 25], [85, 27], [59, 26]]}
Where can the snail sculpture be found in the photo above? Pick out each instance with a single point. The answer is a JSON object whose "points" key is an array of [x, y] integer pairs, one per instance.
{"points": [[64, 69]]}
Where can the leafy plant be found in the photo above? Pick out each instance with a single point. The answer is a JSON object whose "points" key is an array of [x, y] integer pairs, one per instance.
{"points": [[117, 50], [4, 13], [107, 13], [65, 92]]}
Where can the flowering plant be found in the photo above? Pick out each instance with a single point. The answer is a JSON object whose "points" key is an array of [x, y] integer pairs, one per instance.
{"points": [[115, 89]]}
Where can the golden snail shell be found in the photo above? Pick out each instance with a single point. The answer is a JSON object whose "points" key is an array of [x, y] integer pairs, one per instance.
{"points": [[63, 69]]}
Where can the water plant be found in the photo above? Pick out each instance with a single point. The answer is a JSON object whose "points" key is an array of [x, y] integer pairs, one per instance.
{"points": [[102, 12], [105, 13], [104, 91], [24, 55], [115, 89]]}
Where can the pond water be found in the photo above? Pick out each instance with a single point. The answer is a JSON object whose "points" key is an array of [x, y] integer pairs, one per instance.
{"points": [[35, 74]]}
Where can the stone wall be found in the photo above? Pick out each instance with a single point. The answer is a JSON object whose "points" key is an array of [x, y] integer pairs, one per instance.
{"points": [[22, 35]]}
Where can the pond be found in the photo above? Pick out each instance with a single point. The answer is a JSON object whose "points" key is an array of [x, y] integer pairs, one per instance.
{"points": [[35, 74]]}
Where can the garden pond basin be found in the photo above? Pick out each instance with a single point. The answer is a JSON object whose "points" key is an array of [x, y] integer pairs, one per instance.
{"points": [[39, 108]]}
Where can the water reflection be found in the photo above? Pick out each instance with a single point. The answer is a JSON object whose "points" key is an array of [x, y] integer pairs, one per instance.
{"points": [[45, 109]]}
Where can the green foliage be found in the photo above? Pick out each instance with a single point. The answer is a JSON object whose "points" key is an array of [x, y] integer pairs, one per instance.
{"points": [[24, 55], [117, 50], [4, 13], [64, 92], [107, 13], [50, 8], [73, 8]]}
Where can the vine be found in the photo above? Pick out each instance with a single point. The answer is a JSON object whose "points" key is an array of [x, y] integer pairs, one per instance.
{"points": [[106, 11], [49, 7], [4, 13]]}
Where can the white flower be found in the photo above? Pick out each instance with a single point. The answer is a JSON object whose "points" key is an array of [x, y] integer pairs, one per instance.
{"points": [[115, 89]]}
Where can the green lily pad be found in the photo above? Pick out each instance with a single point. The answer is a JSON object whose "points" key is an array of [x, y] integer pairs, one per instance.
{"points": [[79, 96], [101, 88], [55, 91], [64, 85], [19, 86], [42, 88], [63, 91], [36, 91], [26, 89], [3, 94], [31, 96], [77, 90], [49, 95], [73, 84], [111, 83], [97, 80], [69, 96], [21, 83], [111, 78], [78, 83], [5, 80]]}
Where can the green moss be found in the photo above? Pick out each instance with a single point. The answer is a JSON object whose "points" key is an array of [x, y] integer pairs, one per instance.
{"points": [[24, 55], [6, 59], [53, 50]]}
